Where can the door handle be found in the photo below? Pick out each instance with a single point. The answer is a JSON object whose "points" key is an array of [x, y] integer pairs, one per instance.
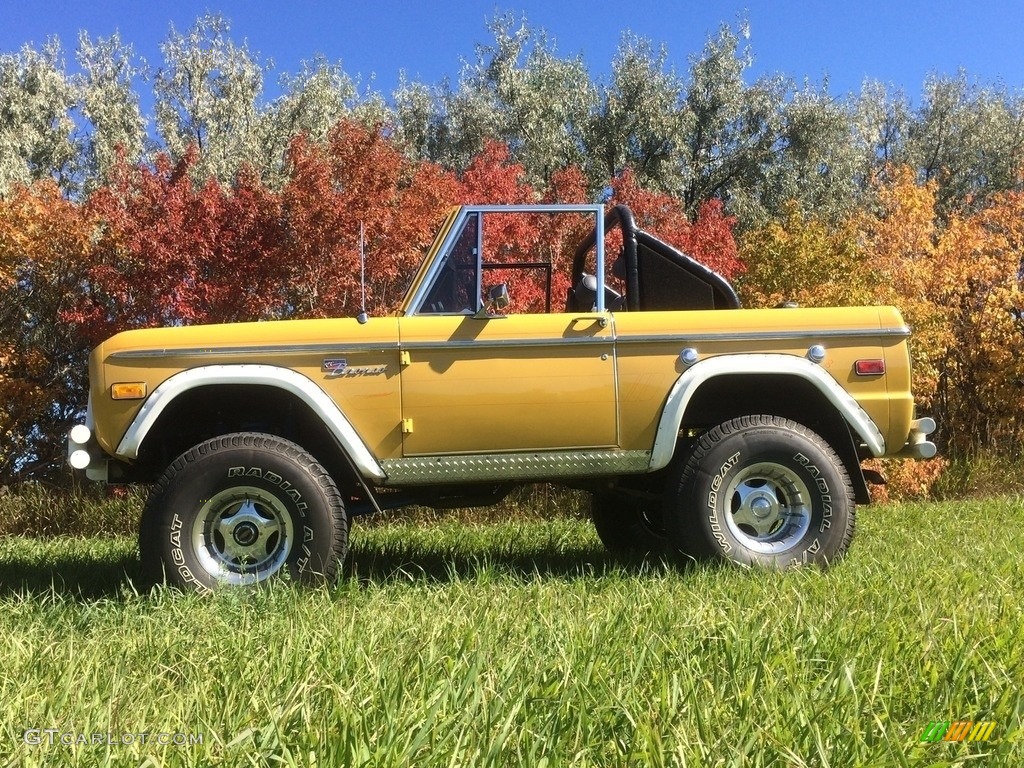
{"points": [[602, 320]]}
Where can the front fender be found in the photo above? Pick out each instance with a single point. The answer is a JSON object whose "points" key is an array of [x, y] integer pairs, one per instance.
{"points": [[265, 375]]}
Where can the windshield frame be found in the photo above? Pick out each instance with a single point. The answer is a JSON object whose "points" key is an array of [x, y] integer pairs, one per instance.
{"points": [[450, 233]]}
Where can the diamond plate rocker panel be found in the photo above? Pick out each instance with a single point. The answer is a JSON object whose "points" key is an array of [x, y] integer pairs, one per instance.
{"points": [[513, 466]]}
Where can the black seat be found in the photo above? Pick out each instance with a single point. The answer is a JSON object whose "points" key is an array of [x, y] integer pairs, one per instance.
{"points": [[583, 296]]}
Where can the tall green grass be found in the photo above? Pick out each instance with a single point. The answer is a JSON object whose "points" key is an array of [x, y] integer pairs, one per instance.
{"points": [[34, 510], [520, 642]]}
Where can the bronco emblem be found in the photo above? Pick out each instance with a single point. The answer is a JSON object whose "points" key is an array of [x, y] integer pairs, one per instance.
{"points": [[335, 367]]}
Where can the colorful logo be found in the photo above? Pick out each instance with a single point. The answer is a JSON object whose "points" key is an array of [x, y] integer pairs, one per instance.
{"points": [[960, 730]]}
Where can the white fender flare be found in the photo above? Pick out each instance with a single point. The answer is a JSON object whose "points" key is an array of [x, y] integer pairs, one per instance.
{"points": [[290, 381], [786, 365]]}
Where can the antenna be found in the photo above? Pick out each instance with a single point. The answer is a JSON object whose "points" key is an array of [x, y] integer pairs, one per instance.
{"points": [[362, 317]]}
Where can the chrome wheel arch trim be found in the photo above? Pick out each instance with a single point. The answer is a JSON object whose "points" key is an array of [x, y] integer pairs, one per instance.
{"points": [[786, 365], [290, 381]]}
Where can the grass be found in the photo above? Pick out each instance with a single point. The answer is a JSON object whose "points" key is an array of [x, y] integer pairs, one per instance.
{"points": [[520, 642]]}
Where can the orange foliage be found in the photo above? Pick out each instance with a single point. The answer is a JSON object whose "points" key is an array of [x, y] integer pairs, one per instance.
{"points": [[956, 281], [906, 480], [45, 242]]}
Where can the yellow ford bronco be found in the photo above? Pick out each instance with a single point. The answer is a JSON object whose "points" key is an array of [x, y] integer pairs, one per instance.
{"points": [[700, 429]]}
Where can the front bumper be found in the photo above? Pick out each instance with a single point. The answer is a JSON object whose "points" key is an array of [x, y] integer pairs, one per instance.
{"points": [[84, 453]]}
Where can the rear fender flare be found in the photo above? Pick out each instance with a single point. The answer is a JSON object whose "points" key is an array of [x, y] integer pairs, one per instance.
{"points": [[700, 373]]}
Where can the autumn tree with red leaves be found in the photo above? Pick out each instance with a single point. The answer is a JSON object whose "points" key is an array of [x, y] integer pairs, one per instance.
{"points": [[709, 238], [357, 177], [170, 253]]}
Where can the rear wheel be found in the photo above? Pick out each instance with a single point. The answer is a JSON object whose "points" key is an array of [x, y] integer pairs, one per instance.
{"points": [[241, 509], [627, 525], [761, 490]]}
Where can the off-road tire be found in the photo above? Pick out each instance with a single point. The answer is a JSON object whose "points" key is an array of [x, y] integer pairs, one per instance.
{"points": [[626, 526], [764, 491], [240, 509]]}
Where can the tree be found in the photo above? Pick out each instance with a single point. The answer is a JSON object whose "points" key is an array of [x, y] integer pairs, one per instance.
{"points": [[805, 258], [517, 91], [543, 101], [110, 105], [638, 123], [312, 103], [36, 128], [815, 164], [881, 121], [417, 122], [206, 94], [358, 175], [45, 241], [171, 253], [730, 129], [968, 138]]}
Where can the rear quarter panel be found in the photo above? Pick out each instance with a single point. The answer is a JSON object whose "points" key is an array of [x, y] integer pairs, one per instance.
{"points": [[648, 347]]}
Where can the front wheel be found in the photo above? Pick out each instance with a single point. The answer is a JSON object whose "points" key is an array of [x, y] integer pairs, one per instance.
{"points": [[761, 490], [241, 509]]}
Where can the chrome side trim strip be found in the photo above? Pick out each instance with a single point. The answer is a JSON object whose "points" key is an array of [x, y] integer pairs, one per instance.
{"points": [[502, 343], [788, 365], [261, 375], [258, 349], [381, 347], [423, 470], [686, 338]]}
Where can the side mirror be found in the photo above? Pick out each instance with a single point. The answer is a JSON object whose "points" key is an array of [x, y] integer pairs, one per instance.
{"points": [[497, 299], [498, 296]]}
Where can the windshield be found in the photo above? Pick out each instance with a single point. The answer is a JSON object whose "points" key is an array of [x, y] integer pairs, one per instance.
{"points": [[457, 286]]}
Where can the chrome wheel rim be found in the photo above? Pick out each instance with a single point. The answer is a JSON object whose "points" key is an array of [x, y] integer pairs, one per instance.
{"points": [[769, 507], [243, 535]]}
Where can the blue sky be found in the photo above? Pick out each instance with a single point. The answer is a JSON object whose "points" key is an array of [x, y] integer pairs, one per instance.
{"points": [[898, 42]]}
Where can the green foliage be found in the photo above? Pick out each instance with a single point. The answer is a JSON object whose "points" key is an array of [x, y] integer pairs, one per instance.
{"points": [[206, 95], [35, 122], [730, 129], [111, 106], [969, 138], [816, 166], [637, 124], [708, 132], [523, 643]]}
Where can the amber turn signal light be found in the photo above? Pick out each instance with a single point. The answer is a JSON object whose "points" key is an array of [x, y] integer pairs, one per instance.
{"points": [[132, 390]]}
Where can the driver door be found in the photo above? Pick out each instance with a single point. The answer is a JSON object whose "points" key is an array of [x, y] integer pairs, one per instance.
{"points": [[507, 383], [473, 382]]}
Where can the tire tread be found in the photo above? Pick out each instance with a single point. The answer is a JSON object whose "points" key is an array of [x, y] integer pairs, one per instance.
{"points": [[688, 537], [151, 567]]}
